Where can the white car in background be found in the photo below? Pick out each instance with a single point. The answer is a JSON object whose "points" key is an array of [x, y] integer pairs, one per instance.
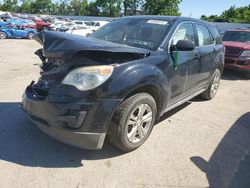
{"points": [[81, 31], [99, 24], [55, 26], [80, 23], [96, 24]]}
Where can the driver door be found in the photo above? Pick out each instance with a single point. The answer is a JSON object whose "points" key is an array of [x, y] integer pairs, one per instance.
{"points": [[18, 32], [180, 61]]}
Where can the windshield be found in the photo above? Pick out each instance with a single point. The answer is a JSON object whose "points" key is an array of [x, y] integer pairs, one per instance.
{"points": [[142, 33], [237, 36]]}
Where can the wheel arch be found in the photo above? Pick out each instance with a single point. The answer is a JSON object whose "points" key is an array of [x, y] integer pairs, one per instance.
{"points": [[220, 66], [154, 91]]}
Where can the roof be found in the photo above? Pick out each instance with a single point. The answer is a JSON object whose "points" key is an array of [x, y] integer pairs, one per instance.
{"points": [[168, 18], [240, 30]]}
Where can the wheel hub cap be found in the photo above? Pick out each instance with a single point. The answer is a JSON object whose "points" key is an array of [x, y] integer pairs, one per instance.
{"points": [[139, 123], [215, 84]]}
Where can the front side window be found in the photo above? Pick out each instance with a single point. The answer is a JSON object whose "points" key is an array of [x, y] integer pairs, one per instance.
{"points": [[204, 36], [184, 32]]}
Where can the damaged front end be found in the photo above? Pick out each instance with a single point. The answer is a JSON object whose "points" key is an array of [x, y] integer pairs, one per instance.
{"points": [[75, 114]]}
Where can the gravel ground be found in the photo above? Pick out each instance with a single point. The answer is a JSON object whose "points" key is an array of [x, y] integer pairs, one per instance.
{"points": [[200, 144]]}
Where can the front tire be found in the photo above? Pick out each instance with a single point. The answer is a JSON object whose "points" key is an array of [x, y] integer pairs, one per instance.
{"points": [[31, 35], [213, 86], [3, 35], [133, 122]]}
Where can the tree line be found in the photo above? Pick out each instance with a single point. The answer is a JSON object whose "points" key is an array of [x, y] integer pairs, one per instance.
{"points": [[109, 8], [232, 15], [115, 8]]}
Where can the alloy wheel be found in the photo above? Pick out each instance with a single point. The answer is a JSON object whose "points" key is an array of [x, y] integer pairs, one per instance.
{"points": [[2, 35], [215, 84], [139, 123]]}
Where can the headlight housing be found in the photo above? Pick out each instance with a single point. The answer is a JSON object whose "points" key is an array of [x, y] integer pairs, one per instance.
{"points": [[246, 53], [86, 78]]}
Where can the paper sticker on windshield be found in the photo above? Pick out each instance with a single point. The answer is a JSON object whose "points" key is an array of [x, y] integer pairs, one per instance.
{"points": [[159, 22]]}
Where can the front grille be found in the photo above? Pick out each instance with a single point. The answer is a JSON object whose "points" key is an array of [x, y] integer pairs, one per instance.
{"points": [[52, 77], [229, 61], [233, 51]]}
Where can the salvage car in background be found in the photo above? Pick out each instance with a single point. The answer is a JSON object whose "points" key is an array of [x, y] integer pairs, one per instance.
{"points": [[94, 25], [3, 24], [99, 24], [237, 56], [17, 32], [119, 81], [80, 30], [62, 26], [40, 24], [22, 23]]}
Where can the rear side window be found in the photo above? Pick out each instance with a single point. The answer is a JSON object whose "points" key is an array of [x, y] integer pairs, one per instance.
{"points": [[204, 36], [184, 32]]}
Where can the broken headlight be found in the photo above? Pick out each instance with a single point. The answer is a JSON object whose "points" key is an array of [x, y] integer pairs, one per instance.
{"points": [[86, 78]]}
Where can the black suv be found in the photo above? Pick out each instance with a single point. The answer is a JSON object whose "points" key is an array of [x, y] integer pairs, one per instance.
{"points": [[122, 78]]}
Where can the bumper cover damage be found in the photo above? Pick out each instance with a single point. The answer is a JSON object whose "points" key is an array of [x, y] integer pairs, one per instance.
{"points": [[82, 124], [71, 116]]}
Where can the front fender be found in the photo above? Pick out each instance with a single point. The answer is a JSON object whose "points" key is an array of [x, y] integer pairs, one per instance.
{"points": [[130, 77]]}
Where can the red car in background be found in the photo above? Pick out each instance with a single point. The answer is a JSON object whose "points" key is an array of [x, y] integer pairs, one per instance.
{"points": [[41, 25], [237, 53]]}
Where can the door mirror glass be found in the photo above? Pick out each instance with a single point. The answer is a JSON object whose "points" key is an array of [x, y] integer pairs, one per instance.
{"points": [[183, 45]]}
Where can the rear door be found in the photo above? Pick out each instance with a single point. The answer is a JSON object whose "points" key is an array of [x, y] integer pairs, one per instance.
{"points": [[200, 69]]}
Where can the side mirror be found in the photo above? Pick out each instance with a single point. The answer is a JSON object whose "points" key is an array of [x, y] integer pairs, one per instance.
{"points": [[183, 45]]}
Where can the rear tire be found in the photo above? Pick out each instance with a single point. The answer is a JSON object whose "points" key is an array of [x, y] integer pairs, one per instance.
{"points": [[133, 122], [213, 86], [3, 35]]}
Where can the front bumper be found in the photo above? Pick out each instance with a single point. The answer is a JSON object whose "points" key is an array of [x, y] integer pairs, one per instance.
{"points": [[82, 124], [240, 64]]}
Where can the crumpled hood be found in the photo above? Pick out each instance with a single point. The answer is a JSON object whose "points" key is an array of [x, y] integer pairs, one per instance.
{"points": [[63, 45]]}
